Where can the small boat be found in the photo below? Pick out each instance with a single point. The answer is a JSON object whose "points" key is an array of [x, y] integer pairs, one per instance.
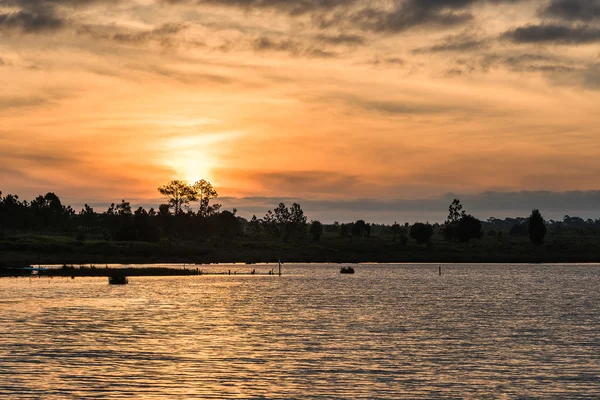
{"points": [[347, 270], [117, 280]]}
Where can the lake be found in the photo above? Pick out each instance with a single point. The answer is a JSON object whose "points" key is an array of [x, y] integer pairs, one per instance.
{"points": [[388, 331]]}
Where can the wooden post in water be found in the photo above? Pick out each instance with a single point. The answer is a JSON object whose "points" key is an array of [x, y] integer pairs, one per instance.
{"points": [[440, 271], [279, 265]]}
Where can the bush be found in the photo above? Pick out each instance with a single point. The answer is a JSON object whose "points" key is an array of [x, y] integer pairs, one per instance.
{"points": [[469, 228], [421, 232]]}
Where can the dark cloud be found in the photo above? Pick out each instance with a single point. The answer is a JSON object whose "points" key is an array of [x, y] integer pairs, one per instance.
{"points": [[532, 62], [553, 33], [573, 10], [294, 47], [407, 14], [456, 43], [385, 17], [397, 61], [413, 13], [163, 34], [39, 16], [294, 7], [340, 39], [34, 21]]}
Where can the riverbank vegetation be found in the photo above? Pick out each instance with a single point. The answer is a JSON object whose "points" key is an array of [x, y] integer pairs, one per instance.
{"points": [[190, 227]]}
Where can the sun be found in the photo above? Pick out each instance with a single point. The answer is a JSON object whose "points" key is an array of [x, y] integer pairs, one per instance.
{"points": [[190, 160]]}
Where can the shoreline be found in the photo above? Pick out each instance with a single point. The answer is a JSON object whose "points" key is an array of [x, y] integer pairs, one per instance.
{"points": [[143, 270]]}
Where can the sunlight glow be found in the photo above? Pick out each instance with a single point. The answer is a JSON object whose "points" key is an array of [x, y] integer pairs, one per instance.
{"points": [[194, 157]]}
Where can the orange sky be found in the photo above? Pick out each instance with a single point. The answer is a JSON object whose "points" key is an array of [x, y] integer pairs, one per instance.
{"points": [[314, 99]]}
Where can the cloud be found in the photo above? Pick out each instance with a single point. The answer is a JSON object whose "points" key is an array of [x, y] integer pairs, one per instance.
{"points": [[573, 10], [313, 182], [391, 107], [163, 33], [41, 16], [553, 33], [340, 39], [31, 21], [455, 43], [396, 61], [591, 77], [296, 7], [11, 102], [534, 62], [296, 48], [413, 13], [398, 108]]}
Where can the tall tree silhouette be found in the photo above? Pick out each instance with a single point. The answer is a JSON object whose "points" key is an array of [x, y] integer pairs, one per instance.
{"points": [[315, 230], [537, 227], [204, 192], [178, 194]]}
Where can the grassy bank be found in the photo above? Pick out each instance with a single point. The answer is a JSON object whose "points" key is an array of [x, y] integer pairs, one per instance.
{"points": [[28, 249]]}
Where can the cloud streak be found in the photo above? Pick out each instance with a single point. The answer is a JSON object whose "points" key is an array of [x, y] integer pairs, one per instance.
{"points": [[552, 33]]}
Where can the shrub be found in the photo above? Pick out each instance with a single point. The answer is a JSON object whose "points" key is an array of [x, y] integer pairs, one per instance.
{"points": [[421, 232]]}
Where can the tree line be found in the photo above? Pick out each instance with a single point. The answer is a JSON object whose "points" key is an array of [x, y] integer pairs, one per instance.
{"points": [[190, 212]]}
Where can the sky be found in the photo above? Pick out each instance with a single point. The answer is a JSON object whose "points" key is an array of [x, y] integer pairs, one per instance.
{"points": [[382, 109]]}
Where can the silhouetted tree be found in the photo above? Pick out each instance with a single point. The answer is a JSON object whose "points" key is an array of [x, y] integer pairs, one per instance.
{"points": [[333, 228], [269, 224], [315, 230], [204, 193], [361, 228], [421, 232], [14, 213], [125, 228], [178, 194], [452, 230], [286, 222], [145, 229], [469, 228], [537, 227], [48, 210], [254, 225], [455, 212], [226, 225], [88, 216], [344, 230], [396, 230]]}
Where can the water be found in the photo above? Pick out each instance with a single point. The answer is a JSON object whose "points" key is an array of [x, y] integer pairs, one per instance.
{"points": [[389, 331]]}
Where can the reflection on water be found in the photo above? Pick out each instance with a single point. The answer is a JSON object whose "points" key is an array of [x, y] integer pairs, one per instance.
{"points": [[389, 331]]}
